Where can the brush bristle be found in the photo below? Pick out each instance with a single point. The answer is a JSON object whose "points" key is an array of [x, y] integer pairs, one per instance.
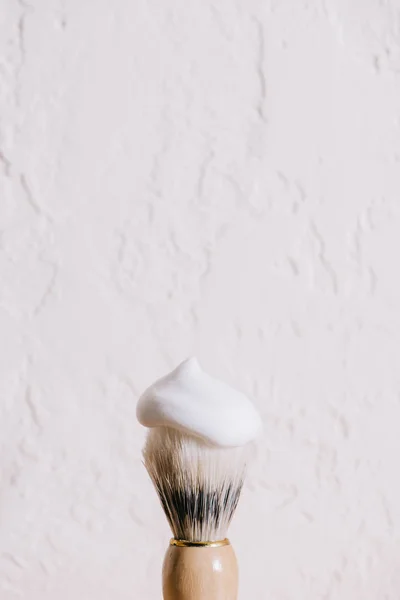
{"points": [[198, 485]]}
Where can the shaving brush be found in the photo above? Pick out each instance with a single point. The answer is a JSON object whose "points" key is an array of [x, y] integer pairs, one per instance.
{"points": [[196, 453], [199, 488]]}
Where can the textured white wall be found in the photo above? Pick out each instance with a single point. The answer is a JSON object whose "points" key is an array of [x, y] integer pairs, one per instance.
{"points": [[218, 178]]}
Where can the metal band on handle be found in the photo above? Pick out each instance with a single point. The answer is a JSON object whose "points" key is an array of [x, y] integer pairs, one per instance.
{"points": [[187, 544]]}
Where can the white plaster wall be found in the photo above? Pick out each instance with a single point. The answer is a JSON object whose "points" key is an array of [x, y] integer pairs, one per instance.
{"points": [[219, 178]]}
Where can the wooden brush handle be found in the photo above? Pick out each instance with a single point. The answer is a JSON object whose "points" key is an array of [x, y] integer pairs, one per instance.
{"points": [[204, 573]]}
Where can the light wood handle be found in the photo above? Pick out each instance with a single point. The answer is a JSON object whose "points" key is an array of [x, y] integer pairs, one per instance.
{"points": [[200, 573]]}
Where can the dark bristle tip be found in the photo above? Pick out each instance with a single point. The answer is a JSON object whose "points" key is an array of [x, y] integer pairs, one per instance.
{"points": [[195, 509]]}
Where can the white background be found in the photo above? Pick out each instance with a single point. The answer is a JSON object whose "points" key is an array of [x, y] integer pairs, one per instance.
{"points": [[218, 178]]}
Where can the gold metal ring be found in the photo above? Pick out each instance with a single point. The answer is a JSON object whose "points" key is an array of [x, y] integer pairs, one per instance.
{"points": [[187, 544]]}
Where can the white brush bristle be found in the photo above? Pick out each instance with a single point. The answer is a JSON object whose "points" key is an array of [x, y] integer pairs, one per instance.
{"points": [[198, 485]]}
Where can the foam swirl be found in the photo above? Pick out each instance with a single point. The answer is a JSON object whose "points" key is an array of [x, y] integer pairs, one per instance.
{"points": [[190, 400]]}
